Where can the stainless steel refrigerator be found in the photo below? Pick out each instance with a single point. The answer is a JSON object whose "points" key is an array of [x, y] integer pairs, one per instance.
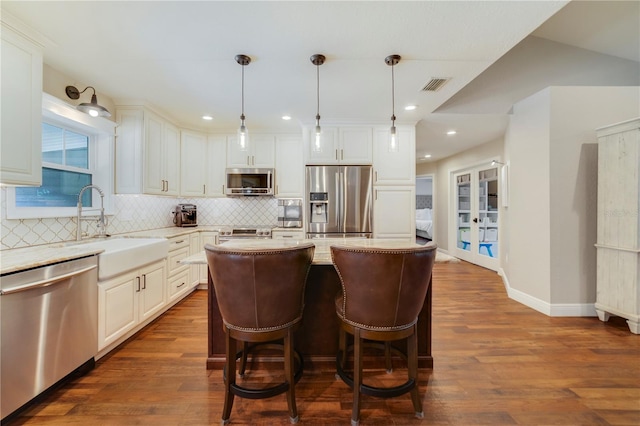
{"points": [[339, 201]]}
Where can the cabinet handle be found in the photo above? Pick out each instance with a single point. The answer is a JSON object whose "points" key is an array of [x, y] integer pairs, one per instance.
{"points": [[180, 285], [144, 281], [223, 189], [138, 280], [336, 154], [376, 195], [178, 242], [376, 179], [287, 236], [248, 161], [167, 182], [342, 154], [204, 189]]}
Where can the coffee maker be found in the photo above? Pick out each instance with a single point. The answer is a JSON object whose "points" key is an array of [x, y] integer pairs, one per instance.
{"points": [[185, 215]]}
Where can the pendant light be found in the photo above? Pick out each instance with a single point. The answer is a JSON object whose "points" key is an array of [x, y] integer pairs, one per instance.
{"points": [[243, 135], [393, 60], [93, 108], [317, 60]]}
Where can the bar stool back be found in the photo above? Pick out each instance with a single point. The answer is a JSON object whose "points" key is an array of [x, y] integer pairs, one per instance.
{"points": [[383, 291], [260, 295]]}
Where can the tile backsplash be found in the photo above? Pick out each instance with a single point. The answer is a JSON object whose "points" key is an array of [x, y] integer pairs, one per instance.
{"points": [[138, 213]]}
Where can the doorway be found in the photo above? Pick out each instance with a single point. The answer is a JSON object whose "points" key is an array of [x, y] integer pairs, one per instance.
{"points": [[425, 211], [476, 219]]}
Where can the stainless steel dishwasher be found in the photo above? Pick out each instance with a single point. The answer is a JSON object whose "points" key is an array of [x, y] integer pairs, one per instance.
{"points": [[48, 328]]}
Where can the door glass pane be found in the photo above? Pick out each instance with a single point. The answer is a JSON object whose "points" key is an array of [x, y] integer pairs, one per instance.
{"points": [[464, 211], [488, 212]]}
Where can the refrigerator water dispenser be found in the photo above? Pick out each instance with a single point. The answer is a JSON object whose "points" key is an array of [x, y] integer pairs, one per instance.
{"points": [[319, 201]]}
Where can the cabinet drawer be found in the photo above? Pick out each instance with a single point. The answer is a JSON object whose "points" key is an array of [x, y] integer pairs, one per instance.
{"points": [[178, 242], [292, 235], [179, 284], [175, 256]]}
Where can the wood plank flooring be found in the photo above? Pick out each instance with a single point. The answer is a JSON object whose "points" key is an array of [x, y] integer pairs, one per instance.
{"points": [[497, 362]]}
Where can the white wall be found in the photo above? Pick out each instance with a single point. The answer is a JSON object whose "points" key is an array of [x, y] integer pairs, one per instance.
{"points": [[424, 186], [549, 259]]}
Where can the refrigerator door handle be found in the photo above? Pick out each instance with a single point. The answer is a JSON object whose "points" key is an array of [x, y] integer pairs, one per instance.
{"points": [[338, 200]]}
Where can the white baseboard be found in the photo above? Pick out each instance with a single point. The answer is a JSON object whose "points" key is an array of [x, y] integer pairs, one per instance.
{"points": [[549, 309]]}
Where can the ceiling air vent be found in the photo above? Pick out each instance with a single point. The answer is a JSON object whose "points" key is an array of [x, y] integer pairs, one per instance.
{"points": [[435, 84]]}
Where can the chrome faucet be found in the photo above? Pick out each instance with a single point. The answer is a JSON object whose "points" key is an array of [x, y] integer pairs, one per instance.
{"points": [[102, 224]]}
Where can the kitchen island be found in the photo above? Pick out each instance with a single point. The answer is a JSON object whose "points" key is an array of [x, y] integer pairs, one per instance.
{"points": [[317, 337]]}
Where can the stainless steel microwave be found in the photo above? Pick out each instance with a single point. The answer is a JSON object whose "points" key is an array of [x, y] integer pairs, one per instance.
{"points": [[247, 182]]}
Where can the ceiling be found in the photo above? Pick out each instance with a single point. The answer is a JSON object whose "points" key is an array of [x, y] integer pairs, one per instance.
{"points": [[179, 57]]}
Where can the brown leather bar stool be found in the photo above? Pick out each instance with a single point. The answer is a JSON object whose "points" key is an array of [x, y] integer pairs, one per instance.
{"points": [[260, 295], [383, 291]]}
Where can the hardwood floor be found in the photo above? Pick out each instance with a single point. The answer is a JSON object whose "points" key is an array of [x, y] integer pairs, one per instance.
{"points": [[497, 362]]}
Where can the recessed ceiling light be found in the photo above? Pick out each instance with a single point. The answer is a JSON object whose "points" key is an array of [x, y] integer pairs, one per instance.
{"points": [[286, 117], [451, 132], [207, 117], [427, 156], [410, 107]]}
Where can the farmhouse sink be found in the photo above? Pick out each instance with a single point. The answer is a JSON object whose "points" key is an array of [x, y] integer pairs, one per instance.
{"points": [[124, 254]]}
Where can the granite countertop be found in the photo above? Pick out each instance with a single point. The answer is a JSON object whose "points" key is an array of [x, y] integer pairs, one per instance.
{"points": [[322, 254], [20, 259]]}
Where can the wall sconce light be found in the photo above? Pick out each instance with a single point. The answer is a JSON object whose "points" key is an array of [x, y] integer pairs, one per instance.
{"points": [[93, 108], [317, 60], [393, 60], [243, 134]]}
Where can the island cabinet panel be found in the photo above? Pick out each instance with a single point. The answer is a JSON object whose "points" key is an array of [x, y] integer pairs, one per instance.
{"points": [[618, 236]]}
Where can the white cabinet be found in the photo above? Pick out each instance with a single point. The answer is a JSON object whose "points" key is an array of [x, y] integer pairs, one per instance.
{"points": [[289, 167], [194, 248], [394, 167], [394, 212], [618, 235], [21, 97], [344, 145], [206, 237], [216, 164], [147, 153], [287, 234], [259, 152], [179, 282], [162, 156], [193, 164], [128, 300]]}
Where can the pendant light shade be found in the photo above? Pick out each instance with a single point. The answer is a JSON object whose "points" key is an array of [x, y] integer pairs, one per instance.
{"points": [[317, 60], [392, 61], [92, 108], [243, 134]]}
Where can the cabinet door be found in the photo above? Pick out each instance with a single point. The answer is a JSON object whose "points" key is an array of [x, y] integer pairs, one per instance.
{"points": [[129, 150], [394, 168], [193, 159], [178, 285], [154, 179], [117, 307], [237, 156], [152, 294], [263, 149], [194, 270], [21, 97], [216, 165], [355, 145], [394, 212], [289, 167], [171, 159], [324, 152]]}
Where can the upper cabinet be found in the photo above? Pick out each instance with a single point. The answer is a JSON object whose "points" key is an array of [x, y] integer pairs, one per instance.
{"points": [[344, 145], [147, 153], [289, 167], [193, 164], [21, 97], [216, 164], [259, 151], [394, 167]]}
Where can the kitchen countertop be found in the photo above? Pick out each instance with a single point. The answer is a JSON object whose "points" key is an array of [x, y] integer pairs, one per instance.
{"points": [[20, 259], [322, 254]]}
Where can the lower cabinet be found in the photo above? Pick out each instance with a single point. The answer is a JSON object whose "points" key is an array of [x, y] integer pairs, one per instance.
{"points": [[129, 300], [289, 234], [179, 248]]}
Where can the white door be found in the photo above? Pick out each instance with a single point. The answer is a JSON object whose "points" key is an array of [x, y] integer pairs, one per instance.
{"points": [[476, 216]]}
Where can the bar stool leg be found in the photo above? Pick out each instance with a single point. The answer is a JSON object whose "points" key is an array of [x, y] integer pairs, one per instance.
{"points": [[243, 361], [289, 373], [357, 376], [387, 356], [230, 378], [412, 364]]}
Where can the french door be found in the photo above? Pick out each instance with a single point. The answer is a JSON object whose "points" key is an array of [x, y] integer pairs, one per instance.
{"points": [[476, 216]]}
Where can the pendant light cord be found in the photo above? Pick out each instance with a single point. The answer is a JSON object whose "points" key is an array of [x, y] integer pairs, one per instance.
{"points": [[393, 95], [242, 102]]}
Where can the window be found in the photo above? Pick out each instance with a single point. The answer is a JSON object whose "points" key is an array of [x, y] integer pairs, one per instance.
{"points": [[65, 170], [77, 150]]}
